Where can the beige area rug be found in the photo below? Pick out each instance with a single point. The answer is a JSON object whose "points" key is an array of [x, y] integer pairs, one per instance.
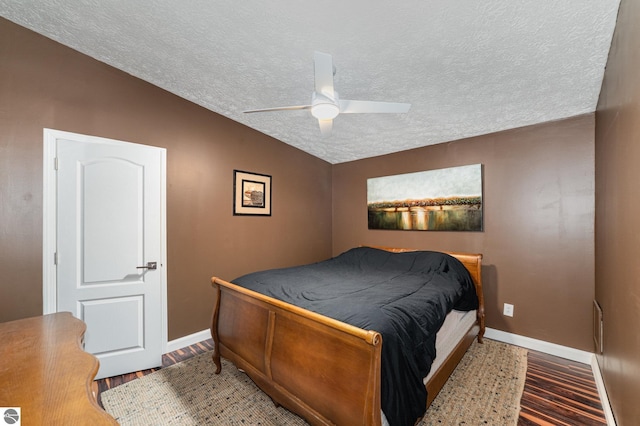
{"points": [[485, 389]]}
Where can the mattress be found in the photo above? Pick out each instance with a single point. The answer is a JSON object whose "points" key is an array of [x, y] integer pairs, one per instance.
{"points": [[454, 328]]}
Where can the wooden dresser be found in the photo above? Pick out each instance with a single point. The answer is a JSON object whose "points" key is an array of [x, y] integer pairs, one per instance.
{"points": [[45, 372]]}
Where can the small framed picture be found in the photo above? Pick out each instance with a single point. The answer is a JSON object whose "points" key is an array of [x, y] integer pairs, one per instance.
{"points": [[251, 193]]}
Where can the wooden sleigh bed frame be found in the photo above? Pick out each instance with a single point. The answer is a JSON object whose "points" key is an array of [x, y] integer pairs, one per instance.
{"points": [[324, 370]]}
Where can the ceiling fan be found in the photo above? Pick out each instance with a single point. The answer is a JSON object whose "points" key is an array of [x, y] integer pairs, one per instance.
{"points": [[325, 103]]}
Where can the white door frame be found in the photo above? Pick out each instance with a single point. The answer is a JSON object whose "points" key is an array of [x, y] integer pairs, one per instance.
{"points": [[49, 222]]}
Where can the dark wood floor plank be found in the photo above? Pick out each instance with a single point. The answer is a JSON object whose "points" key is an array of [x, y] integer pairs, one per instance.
{"points": [[559, 392]]}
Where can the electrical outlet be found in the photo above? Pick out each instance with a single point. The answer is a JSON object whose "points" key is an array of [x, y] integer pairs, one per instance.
{"points": [[508, 309]]}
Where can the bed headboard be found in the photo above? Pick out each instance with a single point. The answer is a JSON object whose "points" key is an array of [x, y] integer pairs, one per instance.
{"points": [[471, 261]]}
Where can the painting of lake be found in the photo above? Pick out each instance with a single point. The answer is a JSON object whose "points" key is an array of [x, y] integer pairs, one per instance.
{"points": [[435, 200]]}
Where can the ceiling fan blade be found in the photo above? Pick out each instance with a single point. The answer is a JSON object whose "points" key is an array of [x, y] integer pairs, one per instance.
{"points": [[325, 104], [325, 127], [323, 72], [285, 108], [357, 107]]}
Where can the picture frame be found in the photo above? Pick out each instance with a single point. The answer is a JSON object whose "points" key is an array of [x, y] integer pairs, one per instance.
{"points": [[448, 199], [251, 194]]}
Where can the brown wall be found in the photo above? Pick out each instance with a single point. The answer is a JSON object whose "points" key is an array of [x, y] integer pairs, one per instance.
{"points": [[44, 84], [617, 224], [537, 242], [538, 222]]}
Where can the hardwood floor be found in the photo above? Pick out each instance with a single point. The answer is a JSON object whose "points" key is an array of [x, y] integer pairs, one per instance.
{"points": [[557, 391]]}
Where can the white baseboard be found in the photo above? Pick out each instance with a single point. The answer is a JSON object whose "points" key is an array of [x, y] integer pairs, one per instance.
{"points": [[539, 345], [602, 391], [189, 340], [490, 333]]}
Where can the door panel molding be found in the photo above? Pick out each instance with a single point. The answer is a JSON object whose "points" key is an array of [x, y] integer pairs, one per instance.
{"points": [[120, 341]]}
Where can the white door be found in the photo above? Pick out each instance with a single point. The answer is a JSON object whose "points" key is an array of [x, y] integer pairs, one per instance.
{"points": [[110, 254]]}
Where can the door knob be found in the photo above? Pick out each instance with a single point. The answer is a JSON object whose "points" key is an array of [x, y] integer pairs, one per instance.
{"points": [[150, 265]]}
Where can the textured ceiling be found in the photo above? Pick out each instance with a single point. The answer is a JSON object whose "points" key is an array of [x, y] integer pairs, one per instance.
{"points": [[467, 67]]}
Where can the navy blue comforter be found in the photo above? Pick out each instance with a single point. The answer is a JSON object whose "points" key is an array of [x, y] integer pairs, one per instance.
{"points": [[403, 296]]}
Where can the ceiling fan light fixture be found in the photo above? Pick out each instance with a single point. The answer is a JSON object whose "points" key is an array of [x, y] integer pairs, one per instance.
{"points": [[325, 103], [325, 111]]}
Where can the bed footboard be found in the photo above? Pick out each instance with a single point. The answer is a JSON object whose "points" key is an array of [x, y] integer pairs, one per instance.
{"points": [[304, 361]]}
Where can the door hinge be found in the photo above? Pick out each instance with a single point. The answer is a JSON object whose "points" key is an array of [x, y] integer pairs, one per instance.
{"points": [[55, 258], [55, 163]]}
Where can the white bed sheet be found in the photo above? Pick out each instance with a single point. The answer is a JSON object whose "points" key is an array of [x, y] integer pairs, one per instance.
{"points": [[455, 326]]}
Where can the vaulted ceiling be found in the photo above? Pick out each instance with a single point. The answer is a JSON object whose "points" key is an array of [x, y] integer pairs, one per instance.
{"points": [[466, 67]]}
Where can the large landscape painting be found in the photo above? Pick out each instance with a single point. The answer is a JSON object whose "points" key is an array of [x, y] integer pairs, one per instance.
{"points": [[435, 200]]}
